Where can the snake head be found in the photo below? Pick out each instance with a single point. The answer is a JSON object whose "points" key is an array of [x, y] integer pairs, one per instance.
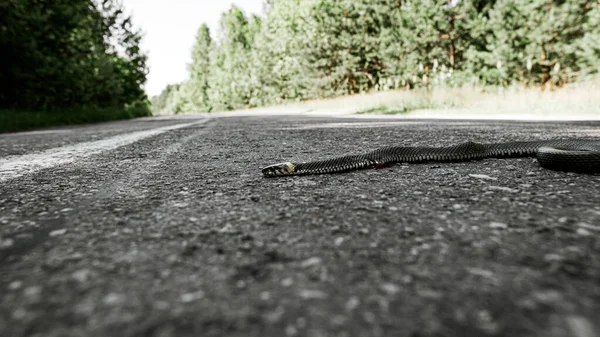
{"points": [[280, 169]]}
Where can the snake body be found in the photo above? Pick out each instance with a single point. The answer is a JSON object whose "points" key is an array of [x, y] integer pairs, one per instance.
{"points": [[576, 155]]}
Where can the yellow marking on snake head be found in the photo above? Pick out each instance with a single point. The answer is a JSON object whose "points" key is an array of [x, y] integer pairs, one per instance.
{"points": [[279, 169]]}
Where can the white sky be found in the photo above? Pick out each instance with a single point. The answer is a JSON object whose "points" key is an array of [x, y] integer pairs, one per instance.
{"points": [[170, 28]]}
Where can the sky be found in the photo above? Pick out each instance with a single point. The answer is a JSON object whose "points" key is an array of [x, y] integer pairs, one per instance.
{"points": [[170, 28]]}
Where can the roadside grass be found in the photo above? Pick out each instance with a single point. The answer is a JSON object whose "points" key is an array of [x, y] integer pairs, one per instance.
{"points": [[21, 120], [416, 100], [387, 110], [580, 98], [404, 102], [575, 101]]}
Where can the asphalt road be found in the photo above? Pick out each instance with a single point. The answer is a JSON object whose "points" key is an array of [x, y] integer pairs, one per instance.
{"points": [[178, 234]]}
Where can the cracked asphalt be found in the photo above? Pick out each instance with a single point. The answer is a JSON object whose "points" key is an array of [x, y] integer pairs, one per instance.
{"points": [[180, 235]]}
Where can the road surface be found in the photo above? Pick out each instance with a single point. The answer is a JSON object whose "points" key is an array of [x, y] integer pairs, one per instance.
{"points": [[165, 227]]}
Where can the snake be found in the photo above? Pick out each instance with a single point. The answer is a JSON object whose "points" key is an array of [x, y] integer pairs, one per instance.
{"points": [[574, 155]]}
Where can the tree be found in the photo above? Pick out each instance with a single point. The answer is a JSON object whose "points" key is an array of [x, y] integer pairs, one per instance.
{"points": [[280, 70], [195, 90], [553, 28], [230, 75], [69, 54], [164, 99], [587, 48], [428, 41], [130, 64], [534, 42], [305, 49], [346, 50]]}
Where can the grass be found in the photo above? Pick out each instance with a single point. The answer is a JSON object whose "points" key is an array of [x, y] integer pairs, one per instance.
{"points": [[20, 120], [404, 102], [418, 100], [575, 101], [580, 99]]}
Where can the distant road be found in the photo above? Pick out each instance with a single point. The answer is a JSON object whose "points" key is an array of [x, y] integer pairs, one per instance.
{"points": [[165, 227]]}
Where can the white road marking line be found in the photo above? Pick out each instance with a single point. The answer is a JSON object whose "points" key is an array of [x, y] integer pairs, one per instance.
{"points": [[16, 166]]}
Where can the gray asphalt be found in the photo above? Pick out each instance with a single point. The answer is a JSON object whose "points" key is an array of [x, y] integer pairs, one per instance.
{"points": [[180, 235]]}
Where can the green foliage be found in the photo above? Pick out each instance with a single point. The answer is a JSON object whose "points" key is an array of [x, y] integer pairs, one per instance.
{"points": [[197, 87], [280, 69], [19, 120], [305, 49], [387, 110], [163, 101], [129, 66], [346, 50], [586, 50], [69, 56], [230, 86], [538, 42]]}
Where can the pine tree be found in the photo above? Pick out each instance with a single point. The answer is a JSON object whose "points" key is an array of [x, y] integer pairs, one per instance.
{"points": [[230, 74], [587, 48], [534, 42], [280, 70], [346, 51], [163, 103], [305, 49], [554, 27], [428, 41], [195, 90]]}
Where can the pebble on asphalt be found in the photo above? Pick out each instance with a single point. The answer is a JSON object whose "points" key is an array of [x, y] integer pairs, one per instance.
{"points": [[58, 232]]}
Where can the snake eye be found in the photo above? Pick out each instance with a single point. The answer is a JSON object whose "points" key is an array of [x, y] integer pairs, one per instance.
{"points": [[279, 169]]}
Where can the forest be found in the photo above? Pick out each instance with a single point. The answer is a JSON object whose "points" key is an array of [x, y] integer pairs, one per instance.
{"points": [[310, 49], [79, 61], [69, 61]]}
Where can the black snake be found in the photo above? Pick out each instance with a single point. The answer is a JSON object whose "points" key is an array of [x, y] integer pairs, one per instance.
{"points": [[574, 155]]}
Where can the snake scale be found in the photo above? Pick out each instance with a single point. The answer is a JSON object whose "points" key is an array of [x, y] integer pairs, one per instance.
{"points": [[576, 155]]}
